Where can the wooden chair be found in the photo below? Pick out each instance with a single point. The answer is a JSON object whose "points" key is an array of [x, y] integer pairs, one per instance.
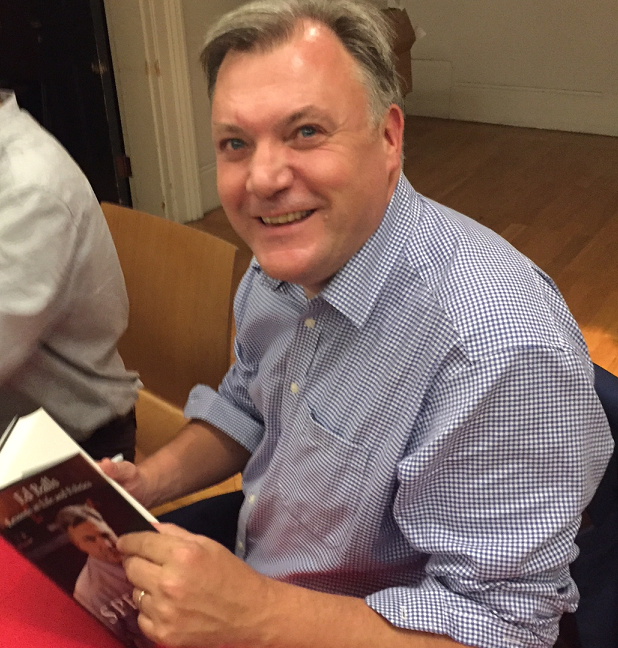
{"points": [[596, 568], [180, 283]]}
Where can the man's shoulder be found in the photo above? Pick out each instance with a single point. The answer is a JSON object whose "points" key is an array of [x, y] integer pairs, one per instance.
{"points": [[492, 295], [31, 159], [453, 256]]}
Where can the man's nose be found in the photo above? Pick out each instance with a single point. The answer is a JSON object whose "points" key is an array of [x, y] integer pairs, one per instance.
{"points": [[269, 172]]}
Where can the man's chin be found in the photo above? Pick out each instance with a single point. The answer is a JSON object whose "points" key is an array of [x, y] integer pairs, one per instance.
{"points": [[309, 286], [290, 268]]}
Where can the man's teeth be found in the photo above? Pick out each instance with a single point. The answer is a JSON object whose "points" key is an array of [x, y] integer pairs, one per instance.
{"points": [[286, 218]]}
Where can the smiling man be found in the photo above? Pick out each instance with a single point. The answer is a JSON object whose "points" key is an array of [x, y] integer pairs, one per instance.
{"points": [[305, 172], [412, 404]]}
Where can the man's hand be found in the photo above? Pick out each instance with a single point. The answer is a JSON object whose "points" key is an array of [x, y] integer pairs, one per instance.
{"points": [[197, 593], [199, 456], [129, 476]]}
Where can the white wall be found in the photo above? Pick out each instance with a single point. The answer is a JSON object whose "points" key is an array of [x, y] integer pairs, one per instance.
{"points": [[198, 15], [126, 35], [550, 64], [148, 40]]}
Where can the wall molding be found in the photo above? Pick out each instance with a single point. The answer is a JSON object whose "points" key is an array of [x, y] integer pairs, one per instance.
{"points": [[152, 75], [208, 185], [435, 94], [171, 93], [553, 109]]}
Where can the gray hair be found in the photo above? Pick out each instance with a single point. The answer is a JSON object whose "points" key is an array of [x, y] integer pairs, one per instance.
{"points": [[76, 514], [263, 24]]}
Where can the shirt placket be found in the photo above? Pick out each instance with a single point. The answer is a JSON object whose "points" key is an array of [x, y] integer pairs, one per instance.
{"points": [[294, 391], [300, 361]]}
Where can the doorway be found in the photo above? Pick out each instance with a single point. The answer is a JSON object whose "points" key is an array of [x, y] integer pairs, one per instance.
{"points": [[55, 55]]}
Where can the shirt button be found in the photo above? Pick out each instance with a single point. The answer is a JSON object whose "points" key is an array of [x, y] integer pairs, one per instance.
{"points": [[294, 388], [240, 546], [251, 498], [310, 323]]}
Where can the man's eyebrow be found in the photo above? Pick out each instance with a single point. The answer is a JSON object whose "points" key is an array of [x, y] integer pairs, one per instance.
{"points": [[305, 112], [228, 128]]}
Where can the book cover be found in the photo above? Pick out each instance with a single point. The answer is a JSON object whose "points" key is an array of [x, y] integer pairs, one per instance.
{"points": [[64, 515]]}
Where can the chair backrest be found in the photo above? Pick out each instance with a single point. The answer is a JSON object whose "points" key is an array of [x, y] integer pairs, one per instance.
{"points": [[606, 386], [158, 422], [596, 568], [605, 500], [180, 286]]}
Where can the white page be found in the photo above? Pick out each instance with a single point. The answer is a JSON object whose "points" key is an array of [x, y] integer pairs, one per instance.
{"points": [[37, 442]]}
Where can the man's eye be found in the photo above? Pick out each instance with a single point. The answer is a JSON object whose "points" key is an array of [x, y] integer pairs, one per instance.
{"points": [[307, 131], [233, 143]]}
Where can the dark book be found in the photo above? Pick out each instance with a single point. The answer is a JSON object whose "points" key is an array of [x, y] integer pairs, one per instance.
{"points": [[64, 515]]}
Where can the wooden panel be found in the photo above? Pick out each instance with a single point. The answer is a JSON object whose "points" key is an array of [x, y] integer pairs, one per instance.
{"points": [[179, 281], [158, 422]]}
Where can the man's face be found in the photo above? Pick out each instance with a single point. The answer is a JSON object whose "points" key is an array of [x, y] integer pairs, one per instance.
{"points": [[303, 175], [97, 540]]}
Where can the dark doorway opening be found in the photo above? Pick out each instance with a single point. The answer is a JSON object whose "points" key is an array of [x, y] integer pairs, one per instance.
{"points": [[55, 55]]}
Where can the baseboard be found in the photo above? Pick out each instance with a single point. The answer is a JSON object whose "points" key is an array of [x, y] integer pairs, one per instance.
{"points": [[436, 94]]}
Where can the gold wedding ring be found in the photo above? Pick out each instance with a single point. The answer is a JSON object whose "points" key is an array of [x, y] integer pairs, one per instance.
{"points": [[140, 596]]}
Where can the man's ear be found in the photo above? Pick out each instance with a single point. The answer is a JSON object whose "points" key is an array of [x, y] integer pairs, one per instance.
{"points": [[392, 135]]}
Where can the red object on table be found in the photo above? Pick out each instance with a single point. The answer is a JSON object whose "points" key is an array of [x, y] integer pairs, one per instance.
{"points": [[35, 613]]}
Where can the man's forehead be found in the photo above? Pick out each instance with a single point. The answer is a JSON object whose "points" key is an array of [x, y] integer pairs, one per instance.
{"points": [[311, 71], [306, 29], [311, 39]]}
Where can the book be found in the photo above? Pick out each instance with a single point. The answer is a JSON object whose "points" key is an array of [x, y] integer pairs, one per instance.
{"points": [[64, 515]]}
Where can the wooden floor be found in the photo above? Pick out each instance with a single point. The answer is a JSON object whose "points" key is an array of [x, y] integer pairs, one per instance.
{"points": [[553, 195]]}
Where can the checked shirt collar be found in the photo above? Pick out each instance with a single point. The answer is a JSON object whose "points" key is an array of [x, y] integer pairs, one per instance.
{"points": [[354, 290]]}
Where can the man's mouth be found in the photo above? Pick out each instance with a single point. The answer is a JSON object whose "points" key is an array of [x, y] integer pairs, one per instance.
{"points": [[291, 217]]}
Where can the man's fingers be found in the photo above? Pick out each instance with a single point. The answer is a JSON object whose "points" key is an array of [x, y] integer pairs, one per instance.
{"points": [[146, 625], [142, 574], [159, 547], [163, 547], [117, 470], [108, 467], [149, 545], [142, 599], [173, 530]]}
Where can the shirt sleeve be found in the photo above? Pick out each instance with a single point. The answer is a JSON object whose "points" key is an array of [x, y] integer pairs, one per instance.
{"points": [[37, 241], [513, 448]]}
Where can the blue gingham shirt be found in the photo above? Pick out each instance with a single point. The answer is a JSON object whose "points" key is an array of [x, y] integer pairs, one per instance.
{"points": [[424, 432]]}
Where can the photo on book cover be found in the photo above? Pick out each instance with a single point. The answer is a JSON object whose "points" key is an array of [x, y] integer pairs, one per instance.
{"points": [[66, 520]]}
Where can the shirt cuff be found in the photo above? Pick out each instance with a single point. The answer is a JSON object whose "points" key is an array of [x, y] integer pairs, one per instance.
{"points": [[205, 404], [437, 610]]}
